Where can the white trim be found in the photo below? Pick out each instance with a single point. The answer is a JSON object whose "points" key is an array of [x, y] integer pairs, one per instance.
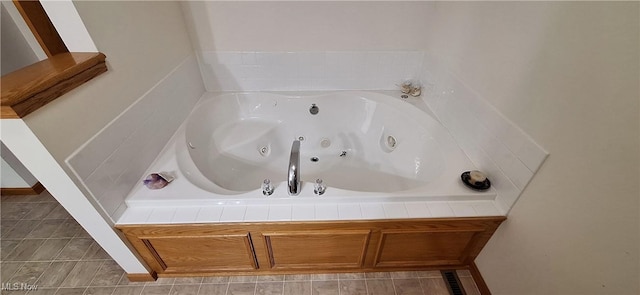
{"points": [[65, 18]]}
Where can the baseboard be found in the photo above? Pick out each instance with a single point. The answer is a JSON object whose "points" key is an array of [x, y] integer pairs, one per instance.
{"points": [[142, 277], [36, 189], [477, 277]]}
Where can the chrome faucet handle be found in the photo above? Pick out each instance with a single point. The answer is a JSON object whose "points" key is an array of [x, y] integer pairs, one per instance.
{"points": [[319, 187], [267, 188]]}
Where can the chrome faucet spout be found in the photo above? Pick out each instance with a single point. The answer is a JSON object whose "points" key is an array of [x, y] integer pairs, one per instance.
{"points": [[294, 169]]}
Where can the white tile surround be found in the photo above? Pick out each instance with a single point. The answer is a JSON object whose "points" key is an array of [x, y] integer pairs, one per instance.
{"points": [[331, 70], [493, 143], [308, 212], [111, 163]]}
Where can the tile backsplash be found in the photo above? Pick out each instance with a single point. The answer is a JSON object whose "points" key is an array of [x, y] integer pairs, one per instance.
{"points": [[327, 70], [112, 162], [493, 143]]}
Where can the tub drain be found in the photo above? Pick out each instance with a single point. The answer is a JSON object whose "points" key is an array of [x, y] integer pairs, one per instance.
{"points": [[314, 159]]}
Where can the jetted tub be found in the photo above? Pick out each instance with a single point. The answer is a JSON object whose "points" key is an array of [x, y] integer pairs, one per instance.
{"points": [[365, 146]]}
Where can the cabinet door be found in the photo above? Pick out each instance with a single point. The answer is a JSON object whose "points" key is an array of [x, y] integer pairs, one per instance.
{"points": [[204, 253], [331, 249], [170, 250], [424, 248]]}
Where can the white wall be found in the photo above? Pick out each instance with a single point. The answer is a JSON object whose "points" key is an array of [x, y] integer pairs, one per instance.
{"points": [[280, 46], [16, 51], [567, 74], [307, 26], [143, 42]]}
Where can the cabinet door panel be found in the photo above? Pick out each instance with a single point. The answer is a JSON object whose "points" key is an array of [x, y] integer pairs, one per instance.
{"points": [[423, 248], [202, 253], [313, 250]]}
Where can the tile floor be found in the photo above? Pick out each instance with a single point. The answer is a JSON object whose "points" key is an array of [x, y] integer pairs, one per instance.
{"points": [[42, 247]]}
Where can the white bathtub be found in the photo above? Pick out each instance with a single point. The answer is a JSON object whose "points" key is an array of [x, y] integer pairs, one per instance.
{"points": [[391, 150]]}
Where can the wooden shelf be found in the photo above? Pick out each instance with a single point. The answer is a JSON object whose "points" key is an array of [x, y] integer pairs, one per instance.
{"points": [[32, 87]]}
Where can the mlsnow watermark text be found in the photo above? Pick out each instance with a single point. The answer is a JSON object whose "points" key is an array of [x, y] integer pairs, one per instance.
{"points": [[18, 287]]}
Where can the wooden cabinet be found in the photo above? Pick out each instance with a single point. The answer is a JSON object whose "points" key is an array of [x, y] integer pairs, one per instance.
{"points": [[322, 249], [304, 247]]}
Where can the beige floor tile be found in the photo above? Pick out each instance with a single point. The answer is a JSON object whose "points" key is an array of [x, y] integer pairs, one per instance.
{"points": [[380, 287], [301, 277], [13, 292], [353, 287], [297, 288], [49, 249], [95, 252], [324, 277], [188, 280], [6, 225], [14, 210], [40, 210], [58, 212], [213, 289], [99, 291], [68, 229], [469, 285], [271, 278], [21, 229], [156, 290], [124, 281], [161, 281], [7, 246], [42, 291], [269, 288], [56, 273], [325, 288], [215, 280], [351, 276], [463, 273], [378, 275], [8, 268], [29, 272], [75, 249], [435, 274], [241, 288], [404, 274], [24, 250], [45, 229], [109, 274], [185, 289], [243, 279], [408, 287], [128, 290], [434, 286], [82, 274], [70, 291]]}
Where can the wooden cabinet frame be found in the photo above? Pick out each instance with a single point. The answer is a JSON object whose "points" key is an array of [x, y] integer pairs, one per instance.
{"points": [[311, 247]]}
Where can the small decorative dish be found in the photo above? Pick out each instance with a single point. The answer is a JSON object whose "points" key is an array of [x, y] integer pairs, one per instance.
{"points": [[475, 180]]}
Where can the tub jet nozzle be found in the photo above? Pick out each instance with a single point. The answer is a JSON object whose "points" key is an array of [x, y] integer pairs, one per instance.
{"points": [[314, 109]]}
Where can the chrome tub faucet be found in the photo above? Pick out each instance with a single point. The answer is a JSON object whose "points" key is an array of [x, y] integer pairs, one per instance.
{"points": [[293, 179]]}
